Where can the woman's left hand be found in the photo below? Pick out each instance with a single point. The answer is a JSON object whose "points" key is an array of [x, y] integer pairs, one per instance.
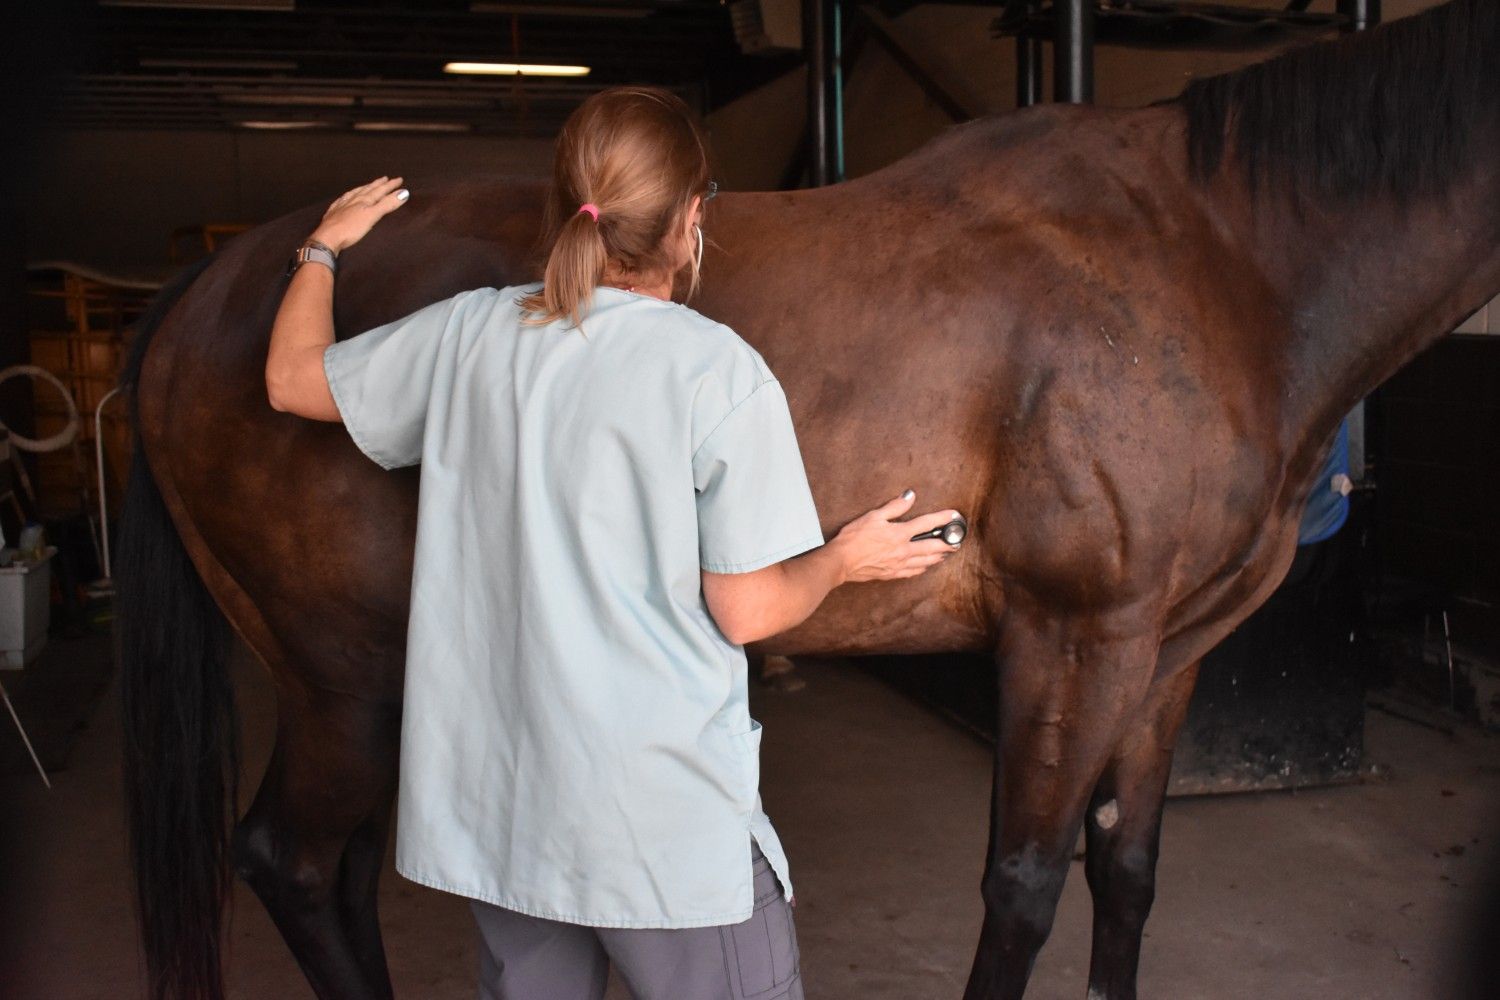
{"points": [[356, 211]]}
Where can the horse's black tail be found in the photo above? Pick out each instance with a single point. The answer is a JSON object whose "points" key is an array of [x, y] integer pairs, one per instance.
{"points": [[181, 740]]}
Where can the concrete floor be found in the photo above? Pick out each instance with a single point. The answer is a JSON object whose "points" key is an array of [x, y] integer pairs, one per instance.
{"points": [[1347, 892]]}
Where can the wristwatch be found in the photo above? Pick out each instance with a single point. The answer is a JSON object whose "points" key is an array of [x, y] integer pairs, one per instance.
{"points": [[314, 250]]}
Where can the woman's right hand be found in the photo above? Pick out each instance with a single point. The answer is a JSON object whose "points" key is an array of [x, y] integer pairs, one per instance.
{"points": [[879, 548], [356, 211]]}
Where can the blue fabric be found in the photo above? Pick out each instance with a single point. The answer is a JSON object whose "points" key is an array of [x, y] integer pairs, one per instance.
{"points": [[1327, 508]]}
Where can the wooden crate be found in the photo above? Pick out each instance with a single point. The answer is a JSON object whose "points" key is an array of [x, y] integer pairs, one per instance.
{"points": [[80, 321], [79, 327]]}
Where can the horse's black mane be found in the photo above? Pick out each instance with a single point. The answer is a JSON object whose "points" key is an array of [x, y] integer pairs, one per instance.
{"points": [[1399, 110]]}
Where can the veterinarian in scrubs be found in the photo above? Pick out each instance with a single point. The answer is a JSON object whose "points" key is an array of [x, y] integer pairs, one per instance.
{"points": [[612, 503]]}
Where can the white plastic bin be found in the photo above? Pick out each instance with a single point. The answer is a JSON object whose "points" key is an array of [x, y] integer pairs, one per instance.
{"points": [[25, 609]]}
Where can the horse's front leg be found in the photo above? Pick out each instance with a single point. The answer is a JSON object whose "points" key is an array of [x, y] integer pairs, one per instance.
{"points": [[1124, 830], [1066, 684]]}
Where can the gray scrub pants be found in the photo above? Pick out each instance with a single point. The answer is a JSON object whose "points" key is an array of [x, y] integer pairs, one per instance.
{"points": [[531, 958]]}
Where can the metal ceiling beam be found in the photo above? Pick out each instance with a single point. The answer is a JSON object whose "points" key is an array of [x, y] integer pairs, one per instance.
{"points": [[230, 63], [103, 101], [332, 40]]}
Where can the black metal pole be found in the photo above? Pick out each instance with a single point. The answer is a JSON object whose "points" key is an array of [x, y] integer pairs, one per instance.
{"points": [[1073, 51], [834, 83], [820, 46], [1028, 71], [1028, 61], [1362, 14]]}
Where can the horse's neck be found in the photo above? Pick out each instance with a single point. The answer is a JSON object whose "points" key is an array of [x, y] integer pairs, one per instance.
{"points": [[1369, 285]]}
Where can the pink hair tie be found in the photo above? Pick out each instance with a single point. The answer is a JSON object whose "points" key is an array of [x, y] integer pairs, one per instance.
{"points": [[591, 209]]}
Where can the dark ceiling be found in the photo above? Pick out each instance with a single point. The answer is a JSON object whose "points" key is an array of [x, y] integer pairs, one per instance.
{"points": [[378, 64], [368, 64]]}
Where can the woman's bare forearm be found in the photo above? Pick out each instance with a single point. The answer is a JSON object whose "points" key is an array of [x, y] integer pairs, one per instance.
{"points": [[795, 588], [303, 330], [295, 380], [752, 606]]}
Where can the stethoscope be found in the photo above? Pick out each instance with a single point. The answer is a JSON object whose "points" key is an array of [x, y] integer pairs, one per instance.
{"points": [[953, 532]]}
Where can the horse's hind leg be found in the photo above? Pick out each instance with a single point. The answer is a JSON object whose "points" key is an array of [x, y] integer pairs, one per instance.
{"points": [[311, 844], [1124, 830], [1064, 690], [359, 885]]}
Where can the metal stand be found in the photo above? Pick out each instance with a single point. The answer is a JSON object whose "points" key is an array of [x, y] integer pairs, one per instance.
{"points": [[821, 29], [1362, 14], [1029, 65], [106, 584], [24, 738], [1073, 52]]}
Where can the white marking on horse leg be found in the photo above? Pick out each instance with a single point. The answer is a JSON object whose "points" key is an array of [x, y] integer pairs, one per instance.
{"points": [[1096, 994], [1106, 816]]}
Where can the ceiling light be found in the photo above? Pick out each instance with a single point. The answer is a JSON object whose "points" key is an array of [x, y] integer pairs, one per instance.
{"points": [[275, 126], [410, 127], [559, 9], [424, 102], [515, 69], [206, 4], [272, 99], [153, 62]]}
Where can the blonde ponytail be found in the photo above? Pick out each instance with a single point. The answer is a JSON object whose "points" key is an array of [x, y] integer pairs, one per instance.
{"points": [[636, 157], [575, 267]]}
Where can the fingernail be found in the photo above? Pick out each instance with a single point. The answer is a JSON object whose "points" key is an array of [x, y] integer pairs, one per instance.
{"points": [[403, 194], [909, 494]]}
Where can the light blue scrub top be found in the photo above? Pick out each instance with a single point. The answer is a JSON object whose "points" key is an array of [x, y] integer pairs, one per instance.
{"points": [[576, 740]]}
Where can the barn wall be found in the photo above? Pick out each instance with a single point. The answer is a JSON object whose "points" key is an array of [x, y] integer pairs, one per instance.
{"points": [[106, 197], [755, 138], [147, 183], [114, 197], [1440, 433]]}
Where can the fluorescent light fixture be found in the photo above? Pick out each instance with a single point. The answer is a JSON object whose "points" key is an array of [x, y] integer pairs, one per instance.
{"points": [[424, 102], [272, 99], [515, 69], [276, 126], [205, 4], [555, 9], [410, 127], [152, 62]]}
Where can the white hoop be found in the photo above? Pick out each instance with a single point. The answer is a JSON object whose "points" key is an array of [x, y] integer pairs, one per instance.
{"points": [[62, 438]]}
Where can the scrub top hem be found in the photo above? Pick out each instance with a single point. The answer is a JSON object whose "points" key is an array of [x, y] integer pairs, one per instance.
{"points": [[508, 903], [805, 545]]}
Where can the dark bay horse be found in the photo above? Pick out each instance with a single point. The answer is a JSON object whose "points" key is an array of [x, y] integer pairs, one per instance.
{"points": [[1120, 341]]}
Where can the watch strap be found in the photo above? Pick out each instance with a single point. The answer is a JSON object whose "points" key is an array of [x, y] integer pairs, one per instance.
{"points": [[315, 251]]}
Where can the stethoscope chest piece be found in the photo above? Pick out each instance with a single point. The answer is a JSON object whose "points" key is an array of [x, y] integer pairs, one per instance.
{"points": [[953, 532]]}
